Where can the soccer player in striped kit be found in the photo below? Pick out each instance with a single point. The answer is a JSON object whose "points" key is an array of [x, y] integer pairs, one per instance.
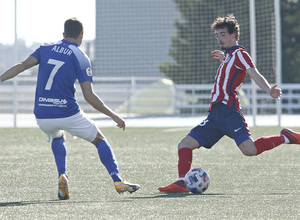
{"points": [[56, 110], [225, 115]]}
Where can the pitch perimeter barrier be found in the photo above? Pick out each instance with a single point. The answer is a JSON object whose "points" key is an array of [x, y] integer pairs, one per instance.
{"points": [[146, 96]]}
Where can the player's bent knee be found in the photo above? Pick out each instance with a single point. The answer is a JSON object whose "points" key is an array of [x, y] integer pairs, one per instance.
{"points": [[247, 151], [63, 135], [188, 142], [248, 148], [98, 138]]}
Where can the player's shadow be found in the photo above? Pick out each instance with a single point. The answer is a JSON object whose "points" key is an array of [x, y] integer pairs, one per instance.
{"points": [[130, 198], [178, 195], [182, 195], [39, 202], [24, 203]]}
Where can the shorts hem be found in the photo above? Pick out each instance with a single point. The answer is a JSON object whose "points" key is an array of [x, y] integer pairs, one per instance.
{"points": [[200, 140], [242, 138]]}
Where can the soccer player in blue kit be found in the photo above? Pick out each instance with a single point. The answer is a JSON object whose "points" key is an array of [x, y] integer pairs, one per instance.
{"points": [[225, 115], [56, 109]]}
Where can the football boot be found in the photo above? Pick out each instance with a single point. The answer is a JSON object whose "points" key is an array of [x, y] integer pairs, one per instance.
{"points": [[176, 187], [63, 192], [292, 136], [124, 186]]}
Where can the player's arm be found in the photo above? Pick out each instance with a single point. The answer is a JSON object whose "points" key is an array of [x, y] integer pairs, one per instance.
{"points": [[98, 104], [261, 81], [18, 68]]}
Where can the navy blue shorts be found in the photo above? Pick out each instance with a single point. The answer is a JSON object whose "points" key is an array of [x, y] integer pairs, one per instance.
{"points": [[222, 120]]}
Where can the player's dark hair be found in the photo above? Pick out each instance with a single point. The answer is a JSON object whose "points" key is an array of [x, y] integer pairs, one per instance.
{"points": [[73, 28], [228, 22]]}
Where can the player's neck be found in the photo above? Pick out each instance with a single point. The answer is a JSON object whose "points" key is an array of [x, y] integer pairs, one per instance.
{"points": [[229, 46], [72, 40]]}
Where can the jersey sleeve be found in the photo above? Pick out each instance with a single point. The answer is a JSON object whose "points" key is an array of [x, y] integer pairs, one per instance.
{"points": [[85, 73], [36, 54], [84, 68], [244, 60]]}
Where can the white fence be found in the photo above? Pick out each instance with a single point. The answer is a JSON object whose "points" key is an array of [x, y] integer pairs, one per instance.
{"points": [[128, 95], [194, 99], [145, 96]]}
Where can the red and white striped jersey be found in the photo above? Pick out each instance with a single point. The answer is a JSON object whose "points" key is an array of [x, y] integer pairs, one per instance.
{"points": [[230, 76]]}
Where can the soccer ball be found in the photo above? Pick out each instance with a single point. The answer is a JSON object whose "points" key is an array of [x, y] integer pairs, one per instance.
{"points": [[197, 180]]}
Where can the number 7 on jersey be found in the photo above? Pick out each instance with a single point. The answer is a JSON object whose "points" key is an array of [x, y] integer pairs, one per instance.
{"points": [[57, 64]]}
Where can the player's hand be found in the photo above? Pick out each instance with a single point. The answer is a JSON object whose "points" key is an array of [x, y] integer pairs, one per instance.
{"points": [[275, 92], [120, 122], [218, 55]]}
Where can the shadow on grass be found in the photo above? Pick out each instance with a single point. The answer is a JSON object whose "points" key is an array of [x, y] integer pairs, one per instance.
{"points": [[179, 195], [23, 203], [183, 195], [39, 202], [132, 198]]}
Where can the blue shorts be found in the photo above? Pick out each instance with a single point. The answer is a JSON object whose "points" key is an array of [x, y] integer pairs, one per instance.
{"points": [[222, 120]]}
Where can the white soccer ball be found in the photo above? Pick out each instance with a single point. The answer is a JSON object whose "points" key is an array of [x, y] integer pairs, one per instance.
{"points": [[197, 180]]}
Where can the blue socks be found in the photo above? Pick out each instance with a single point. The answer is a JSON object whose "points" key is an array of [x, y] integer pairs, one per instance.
{"points": [[60, 152], [105, 152], [108, 159]]}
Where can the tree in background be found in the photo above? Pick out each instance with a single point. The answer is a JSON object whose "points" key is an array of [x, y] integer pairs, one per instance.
{"points": [[194, 40], [191, 47]]}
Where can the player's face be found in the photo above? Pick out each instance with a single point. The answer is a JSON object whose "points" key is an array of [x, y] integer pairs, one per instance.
{"points": [[225, 39]]}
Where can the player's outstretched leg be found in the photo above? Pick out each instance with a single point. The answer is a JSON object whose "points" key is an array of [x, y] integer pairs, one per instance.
{"points": [[176, 187], [293, 137], [63, 191], [108, 159]]}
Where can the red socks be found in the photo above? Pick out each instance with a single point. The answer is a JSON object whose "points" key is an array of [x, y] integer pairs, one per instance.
{"points": [[185, 161], [262, 144], [267, 143]]}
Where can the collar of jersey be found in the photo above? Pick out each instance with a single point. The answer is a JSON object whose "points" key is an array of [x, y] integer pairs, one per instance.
{"points": [[233, 48], [68, 42]]}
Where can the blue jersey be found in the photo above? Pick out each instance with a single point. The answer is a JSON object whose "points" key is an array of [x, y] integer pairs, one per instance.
{"points": [[60, 65]]}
